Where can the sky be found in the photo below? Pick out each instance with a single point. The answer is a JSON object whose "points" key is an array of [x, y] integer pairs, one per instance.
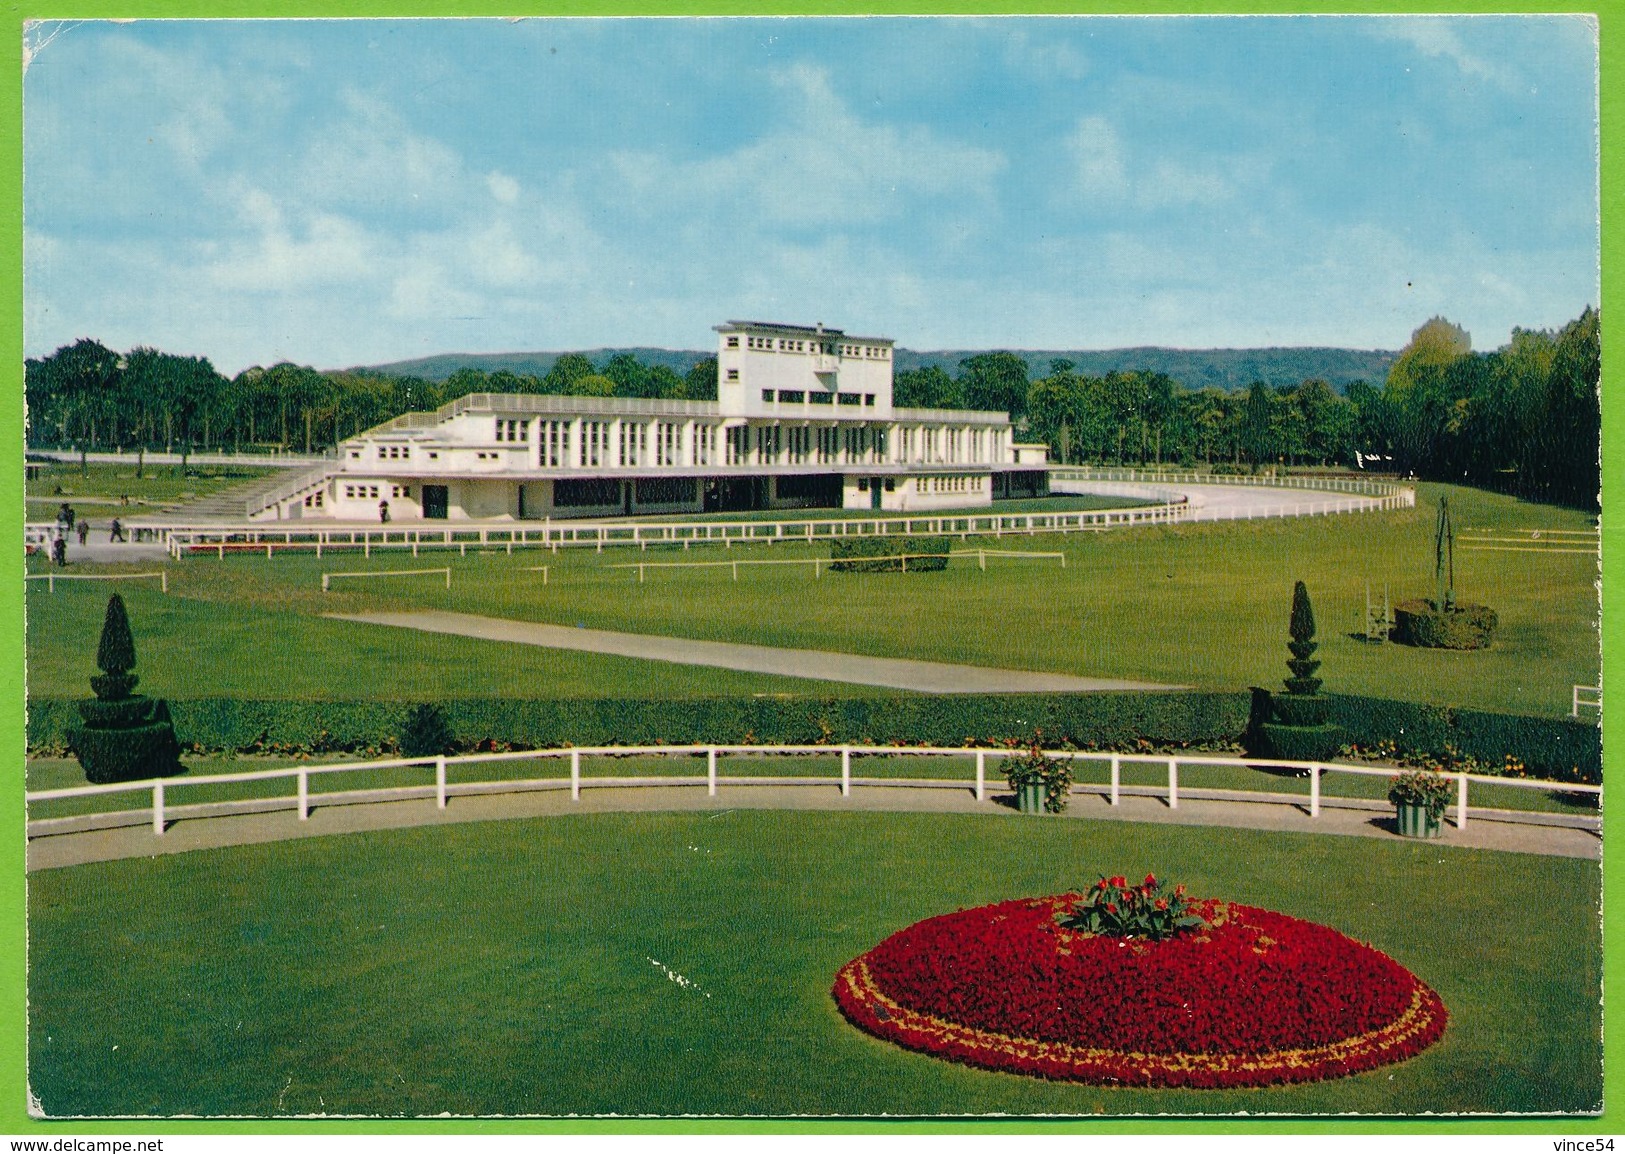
{"points": [[350, 192]]}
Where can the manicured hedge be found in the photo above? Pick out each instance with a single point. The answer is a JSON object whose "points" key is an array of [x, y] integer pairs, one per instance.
{"points": [[1085, 719], [1561, 749], [1466, 626], [884, 554], [1557, 748]]}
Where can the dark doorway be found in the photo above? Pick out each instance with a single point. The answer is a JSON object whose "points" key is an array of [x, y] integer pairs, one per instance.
{"points": [[874, 492], [434, 502]]}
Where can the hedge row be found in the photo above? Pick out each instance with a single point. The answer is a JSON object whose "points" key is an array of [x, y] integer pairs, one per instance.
{"points": [[1084, 719], [1556, 748], [885, 554]]}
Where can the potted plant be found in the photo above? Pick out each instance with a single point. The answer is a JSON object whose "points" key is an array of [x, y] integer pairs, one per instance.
{"points": [[1420, 798], [1040, 782]]}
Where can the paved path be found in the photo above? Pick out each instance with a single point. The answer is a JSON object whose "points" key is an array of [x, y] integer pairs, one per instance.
{"points": [[893, 673], [1196, 808]]}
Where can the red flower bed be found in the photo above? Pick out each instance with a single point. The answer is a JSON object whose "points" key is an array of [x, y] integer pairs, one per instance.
{"points": [[1254, 998]]}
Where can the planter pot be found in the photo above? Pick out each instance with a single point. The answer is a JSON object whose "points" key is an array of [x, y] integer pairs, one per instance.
{"points": [[1030, 797], [1414, 821]]}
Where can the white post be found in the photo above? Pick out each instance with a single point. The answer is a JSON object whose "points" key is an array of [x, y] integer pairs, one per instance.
{"points": [[304, 795], [1117, 777], [575, 775], [448, 577], [158, 808], [711, 771], [1461, 801], [440, 782], [1314, 791], [846, 772], [1173, 783], [981, 775], [163, 580]]}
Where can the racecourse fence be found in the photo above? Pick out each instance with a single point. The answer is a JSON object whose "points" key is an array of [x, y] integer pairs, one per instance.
{"points": [[1167, 505], [161, 810]]}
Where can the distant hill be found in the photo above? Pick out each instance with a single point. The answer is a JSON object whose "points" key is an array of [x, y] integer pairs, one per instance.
{"points": [[442, 365], [1227, 369], [1194, 368]]}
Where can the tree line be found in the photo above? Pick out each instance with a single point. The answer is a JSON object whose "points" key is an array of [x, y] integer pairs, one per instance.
{"points": [[86, 396], [1524, 418]]}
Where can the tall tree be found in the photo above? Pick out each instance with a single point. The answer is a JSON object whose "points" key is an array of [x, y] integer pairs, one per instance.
{"points": [[995, 382]]}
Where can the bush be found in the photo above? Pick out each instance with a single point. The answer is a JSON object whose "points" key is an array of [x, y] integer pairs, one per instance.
{"points": [[132, 752], [1299, 742], [426, 733], [1464, 626], [884, 554]]}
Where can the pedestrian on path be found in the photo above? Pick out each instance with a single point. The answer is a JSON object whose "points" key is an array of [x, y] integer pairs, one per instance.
{"points": [[84, 532], [115, 531], [59, 549], [383, 512]]}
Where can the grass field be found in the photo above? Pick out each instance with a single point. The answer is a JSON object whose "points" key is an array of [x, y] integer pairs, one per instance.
{"points": [[522, 967], [1201, 605], [102, 484]]}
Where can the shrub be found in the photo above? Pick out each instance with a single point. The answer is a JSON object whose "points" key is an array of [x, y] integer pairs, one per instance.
{"points": [[885, 554], [121, 737], [1463, 626], [1297, 730], [426, 733]]}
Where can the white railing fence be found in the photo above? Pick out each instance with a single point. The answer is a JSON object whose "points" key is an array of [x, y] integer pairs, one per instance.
{"points": [[1586, 697], [162, 811], [51, 578]]}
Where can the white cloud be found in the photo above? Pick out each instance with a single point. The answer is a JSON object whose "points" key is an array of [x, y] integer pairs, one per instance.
{"points": [[1438, 38], [504, 188], [1109, 173]]}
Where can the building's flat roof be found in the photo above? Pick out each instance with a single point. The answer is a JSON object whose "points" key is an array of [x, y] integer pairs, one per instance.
{"points": [[797, 330], [553, 403]]}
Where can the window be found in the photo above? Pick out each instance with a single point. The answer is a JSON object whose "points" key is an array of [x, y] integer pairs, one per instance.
{"points": [[863, 484], [355, 454], [800, 440], [382, 452], [820, 399], [850, 399], [737, 445], [767, 396], [434, 456], [594, 443], [554, 444], [634, 441], [890, 484], [791, 396], [868, 399], [400, 490], [593, 491], [704, 437], [733, 374], [827, 440], [663, 490], [512, 431], [733, 342]]}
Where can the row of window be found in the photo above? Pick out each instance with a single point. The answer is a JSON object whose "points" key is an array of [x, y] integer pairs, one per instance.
{"points": [[366, 493], [828, 348], [512, 430], [949, 484], [800, 396]]}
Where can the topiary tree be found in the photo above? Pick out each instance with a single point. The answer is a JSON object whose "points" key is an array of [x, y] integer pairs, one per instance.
{"points": [[1443, 622], [1297, 729], [123, 736]]}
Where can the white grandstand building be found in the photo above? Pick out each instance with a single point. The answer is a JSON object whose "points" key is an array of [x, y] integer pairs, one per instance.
{"points": [[803, 419]]}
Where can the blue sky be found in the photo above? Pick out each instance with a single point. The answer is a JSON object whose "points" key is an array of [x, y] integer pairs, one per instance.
{"points": [[348, 192]]}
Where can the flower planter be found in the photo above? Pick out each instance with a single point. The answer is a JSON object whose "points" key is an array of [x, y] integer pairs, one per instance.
{"points": [[1415, 821], [1030, 797]]}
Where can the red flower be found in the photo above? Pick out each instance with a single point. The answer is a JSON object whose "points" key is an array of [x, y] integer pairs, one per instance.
{"points": [[1119, 882], [1150, 881], [1111, 907], [1162, 903], [1257, 998]]}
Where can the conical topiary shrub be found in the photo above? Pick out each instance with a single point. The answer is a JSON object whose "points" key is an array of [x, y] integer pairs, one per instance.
{"points": [[123, 735], [1298, 730]]}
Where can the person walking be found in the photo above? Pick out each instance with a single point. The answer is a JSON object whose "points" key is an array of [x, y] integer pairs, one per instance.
{"points": [[115, 531], [59, 549], [383, 512], [84, 532]]}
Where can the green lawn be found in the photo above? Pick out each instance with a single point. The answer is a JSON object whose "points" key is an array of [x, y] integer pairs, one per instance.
{"points": [[522, 967], [1201, 605], [104, 483]]}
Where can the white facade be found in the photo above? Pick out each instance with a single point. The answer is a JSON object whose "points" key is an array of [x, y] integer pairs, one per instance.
{"points": [[804, 418]]}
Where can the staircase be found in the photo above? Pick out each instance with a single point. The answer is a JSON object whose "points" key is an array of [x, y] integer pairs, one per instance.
{"points": [[234, 503]]}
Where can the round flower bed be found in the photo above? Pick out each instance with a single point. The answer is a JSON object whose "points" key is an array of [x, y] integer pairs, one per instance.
{"points": [[1252, 998]]}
